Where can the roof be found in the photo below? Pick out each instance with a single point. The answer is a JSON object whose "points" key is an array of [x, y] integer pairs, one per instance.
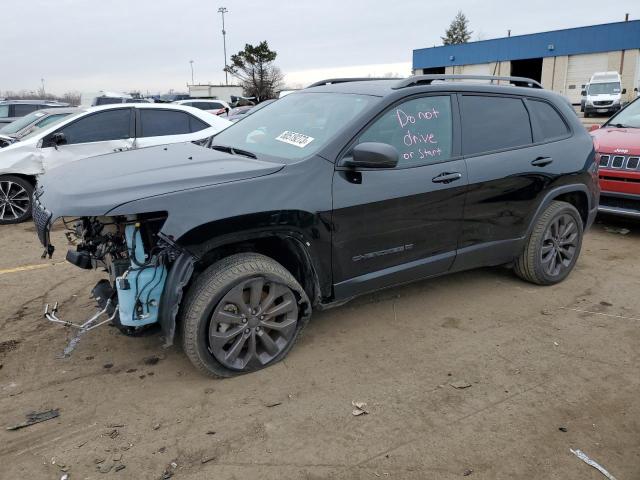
{"points": [[32, 102], [573, 41]]}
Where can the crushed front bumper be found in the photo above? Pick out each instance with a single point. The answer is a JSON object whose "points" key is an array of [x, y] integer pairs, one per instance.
{"points": [[42, 220]]}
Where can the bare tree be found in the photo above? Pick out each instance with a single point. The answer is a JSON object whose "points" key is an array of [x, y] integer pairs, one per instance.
{"points": [[254, 68]]}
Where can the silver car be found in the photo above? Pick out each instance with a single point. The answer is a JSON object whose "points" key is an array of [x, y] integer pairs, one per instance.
{"points": [[11, 110], [14, 131]]}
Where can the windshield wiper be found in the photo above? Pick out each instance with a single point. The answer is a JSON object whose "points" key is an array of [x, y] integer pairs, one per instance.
{"points": [[621, 125], [233, 151]]}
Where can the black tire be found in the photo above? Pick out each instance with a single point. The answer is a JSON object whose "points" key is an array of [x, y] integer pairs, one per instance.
{"points": [[553, 247], [207, 301], [587, 114], [13, 209]]}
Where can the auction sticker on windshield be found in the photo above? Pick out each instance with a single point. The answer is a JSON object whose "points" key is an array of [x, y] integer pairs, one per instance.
{"points": [[293, 138]]}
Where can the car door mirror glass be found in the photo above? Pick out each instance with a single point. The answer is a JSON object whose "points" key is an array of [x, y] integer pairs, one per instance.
{"points": [[58, 138], [373, 155]]}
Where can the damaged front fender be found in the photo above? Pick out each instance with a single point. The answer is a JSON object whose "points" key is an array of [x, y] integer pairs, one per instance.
{"points": [[177, 279]]}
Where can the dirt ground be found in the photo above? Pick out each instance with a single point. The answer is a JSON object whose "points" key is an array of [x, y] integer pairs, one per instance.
{"points": [[534, 359]]}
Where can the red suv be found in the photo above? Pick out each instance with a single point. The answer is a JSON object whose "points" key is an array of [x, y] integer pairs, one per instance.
{"points": [[617, 143]]}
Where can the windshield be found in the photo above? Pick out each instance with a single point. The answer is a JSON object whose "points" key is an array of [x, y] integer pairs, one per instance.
{"points": [[611, 88], [295, 126], [19, 124], [627, 117]]}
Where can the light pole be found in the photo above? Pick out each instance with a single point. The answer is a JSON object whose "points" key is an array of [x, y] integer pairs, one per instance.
{"points": [[222, 11], [191, 62], [42, 81]]}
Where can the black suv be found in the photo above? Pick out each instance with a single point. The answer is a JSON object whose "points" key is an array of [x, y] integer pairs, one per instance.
{"points": [[340, 189]]}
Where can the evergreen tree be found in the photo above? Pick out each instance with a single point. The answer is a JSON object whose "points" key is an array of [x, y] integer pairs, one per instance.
{"points": [[458, 31]]}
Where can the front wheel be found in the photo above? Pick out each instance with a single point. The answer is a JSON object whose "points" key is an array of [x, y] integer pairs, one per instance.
{"points": [[15, 199], [553, 246], [242, 314]]}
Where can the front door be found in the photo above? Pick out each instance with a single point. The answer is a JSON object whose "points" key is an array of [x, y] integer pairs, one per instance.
{"points": [[395, 225], [98, 133]]}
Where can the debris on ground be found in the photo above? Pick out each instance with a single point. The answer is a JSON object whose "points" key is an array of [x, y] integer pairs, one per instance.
{"points": [[563, 429], [621, 231], [152, 360], [119, 467], [8, 345], [272, 404], [65, 477], [460, 384], [585, 458], [467, 472], [107, 365], [546, 312], [360, 408], [208, 459], [36, 417], [211, 432], [606, 304], [156, 426]]}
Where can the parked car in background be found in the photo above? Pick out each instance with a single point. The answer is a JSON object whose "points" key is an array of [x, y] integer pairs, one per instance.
{"points": [[410, 179], [172, 97], [11, 110], [238, 113], [617, 142], [94, 131], [217, 107], [603, 94], [14, 131], [109, 98]]}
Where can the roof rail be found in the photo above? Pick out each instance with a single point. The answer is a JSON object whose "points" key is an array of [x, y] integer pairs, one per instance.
{"points": [[331, 81], [428, 79]]}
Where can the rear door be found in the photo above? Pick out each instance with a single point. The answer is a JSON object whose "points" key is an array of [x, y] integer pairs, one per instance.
{"points": [[510, 163], [94, 134], [158, 126], [395, 225]]}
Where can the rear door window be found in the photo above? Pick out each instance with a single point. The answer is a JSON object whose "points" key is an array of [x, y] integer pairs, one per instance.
{"points": [[491, 123], [99, 127], [548, 124], [420, 129], [195, 124], [157, 123], [20, 110], [4, 111]]}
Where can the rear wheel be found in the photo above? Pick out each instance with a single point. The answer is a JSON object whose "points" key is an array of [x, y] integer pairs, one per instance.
{"points": [[15, 199], [242, 314], [553, 246]]}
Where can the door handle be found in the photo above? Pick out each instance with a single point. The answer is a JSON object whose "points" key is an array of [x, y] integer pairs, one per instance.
{"points": [[447, 177], [542, 161]]}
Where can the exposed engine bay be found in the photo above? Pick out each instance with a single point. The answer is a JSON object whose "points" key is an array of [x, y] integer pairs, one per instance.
{"points": [[136, 258]]}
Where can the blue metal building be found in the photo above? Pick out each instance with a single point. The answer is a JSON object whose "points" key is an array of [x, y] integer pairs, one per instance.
{"points": [[563, 60]]}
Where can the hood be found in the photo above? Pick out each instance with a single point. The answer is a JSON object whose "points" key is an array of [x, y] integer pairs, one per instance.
{"points": [[623, 141], [96, 185]]}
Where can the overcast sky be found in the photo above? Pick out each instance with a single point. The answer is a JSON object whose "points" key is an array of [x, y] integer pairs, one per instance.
{"points": [[90, 45]]}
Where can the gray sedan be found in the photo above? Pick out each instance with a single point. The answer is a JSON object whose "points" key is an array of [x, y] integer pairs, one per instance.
{"points": [[14, 131]]}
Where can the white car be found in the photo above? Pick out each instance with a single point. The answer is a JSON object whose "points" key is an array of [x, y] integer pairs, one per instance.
{"points": [[217, 107], [95, 131]]}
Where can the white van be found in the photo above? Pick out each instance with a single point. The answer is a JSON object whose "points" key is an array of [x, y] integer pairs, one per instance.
{"points": [[603, 93]]}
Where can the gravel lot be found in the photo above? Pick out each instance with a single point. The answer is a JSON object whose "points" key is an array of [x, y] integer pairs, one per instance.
{"points": [[533, 366], [531, 360]]}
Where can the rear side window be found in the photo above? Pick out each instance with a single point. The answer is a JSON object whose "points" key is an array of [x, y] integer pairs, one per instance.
{"points": [[158, 123], [4, 111], [20, 110], [549, 122], [195, 124], [493, 123], [420, 129], [99, 127]]}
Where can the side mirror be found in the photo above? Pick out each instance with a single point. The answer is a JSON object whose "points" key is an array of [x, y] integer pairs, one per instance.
{"points": [[58, 138], [624, 90], [583, 93], [373, 155], [593, 127]]}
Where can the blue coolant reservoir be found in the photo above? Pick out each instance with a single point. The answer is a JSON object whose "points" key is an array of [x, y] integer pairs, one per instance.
{"points": [[140, 288]]}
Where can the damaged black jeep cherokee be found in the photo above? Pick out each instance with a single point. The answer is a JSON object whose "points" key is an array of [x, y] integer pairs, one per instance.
{"points": [[340, 189]]}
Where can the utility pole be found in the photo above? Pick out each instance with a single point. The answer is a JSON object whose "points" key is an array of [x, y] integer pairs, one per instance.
{"points": [[222, 11], [42, 81], [191, 62]]}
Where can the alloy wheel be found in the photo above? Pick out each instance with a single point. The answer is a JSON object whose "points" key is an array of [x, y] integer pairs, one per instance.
{"points": [[14, 200], [252, 324], [559, 245]]}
